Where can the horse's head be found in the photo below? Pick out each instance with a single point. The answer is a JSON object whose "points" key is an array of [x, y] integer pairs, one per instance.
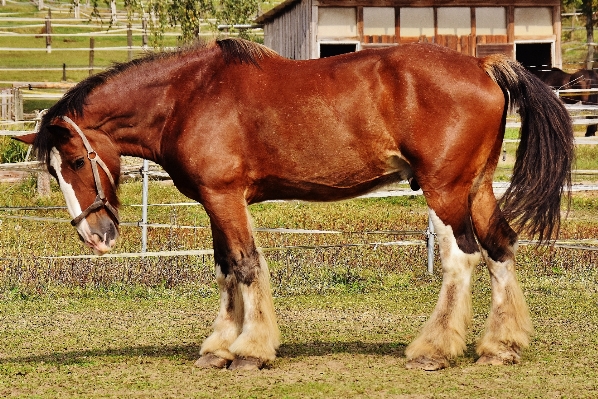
{"points": [[87, 167]]}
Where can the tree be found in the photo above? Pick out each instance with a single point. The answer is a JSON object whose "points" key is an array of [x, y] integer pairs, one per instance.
{"points": [[237, 12], [188, 14], [232, 12], [587, 8]]}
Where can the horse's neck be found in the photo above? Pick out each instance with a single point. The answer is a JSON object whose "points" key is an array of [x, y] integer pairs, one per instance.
{"points": [[134, 112]]}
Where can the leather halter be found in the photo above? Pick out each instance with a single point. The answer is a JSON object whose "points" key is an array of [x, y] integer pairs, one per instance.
{"points": [[94, 158]]}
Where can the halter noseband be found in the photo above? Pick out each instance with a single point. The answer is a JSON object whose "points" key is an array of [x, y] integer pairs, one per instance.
{"points": [[94, 158]]}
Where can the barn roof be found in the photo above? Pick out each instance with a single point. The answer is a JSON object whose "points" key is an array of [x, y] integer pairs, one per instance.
{"points": [[274, 12]]}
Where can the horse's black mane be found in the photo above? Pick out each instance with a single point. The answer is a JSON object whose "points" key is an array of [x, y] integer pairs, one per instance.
{"points": [[234, 50]]}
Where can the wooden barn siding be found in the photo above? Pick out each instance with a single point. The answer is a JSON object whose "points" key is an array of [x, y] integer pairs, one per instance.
{"points": [[289, 34], [438, 3]]}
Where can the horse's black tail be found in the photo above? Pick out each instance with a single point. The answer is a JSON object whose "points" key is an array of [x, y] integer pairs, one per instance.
{"points": [[542, 172]]}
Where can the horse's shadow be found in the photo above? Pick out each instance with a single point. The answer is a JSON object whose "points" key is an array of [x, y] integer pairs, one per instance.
{"points": [[190, 352], [321, 348]]}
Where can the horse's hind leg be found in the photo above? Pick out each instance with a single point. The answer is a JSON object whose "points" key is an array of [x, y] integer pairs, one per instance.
{"points": [[509, 326], [443, 335], [245, 330]]}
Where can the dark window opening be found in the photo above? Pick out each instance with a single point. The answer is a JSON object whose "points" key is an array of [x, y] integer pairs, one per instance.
{"points": [[332, 49], [534, 56]]}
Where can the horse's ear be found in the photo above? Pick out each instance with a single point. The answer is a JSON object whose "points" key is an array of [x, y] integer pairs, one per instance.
{"points": [[26, 138], [59, 129]]}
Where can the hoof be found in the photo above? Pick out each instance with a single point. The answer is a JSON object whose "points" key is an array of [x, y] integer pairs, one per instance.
{"points": [[427, 363], [499, 359], [247, 364], [211, 361]]}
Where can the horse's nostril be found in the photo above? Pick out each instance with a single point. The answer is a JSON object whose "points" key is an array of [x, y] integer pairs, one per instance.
{"points": [[110, 232]]}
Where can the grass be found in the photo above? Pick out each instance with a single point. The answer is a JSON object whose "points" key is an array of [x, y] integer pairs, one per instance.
{"points": [[143, 343], [133, 327]]}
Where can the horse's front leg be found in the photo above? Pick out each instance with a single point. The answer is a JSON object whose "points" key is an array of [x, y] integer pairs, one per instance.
{"points": [[443, 336], [228, 324], [245, 333]]}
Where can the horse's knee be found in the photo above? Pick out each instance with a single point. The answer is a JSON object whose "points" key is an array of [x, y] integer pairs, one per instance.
{"points": [[246, 267]]}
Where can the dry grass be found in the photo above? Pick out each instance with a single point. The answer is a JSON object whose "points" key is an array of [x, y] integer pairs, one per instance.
{"points": [[346, 344], [132, 327]]}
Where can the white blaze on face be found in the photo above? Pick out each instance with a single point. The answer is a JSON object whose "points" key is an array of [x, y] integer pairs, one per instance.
{"points": [[72, 203]]}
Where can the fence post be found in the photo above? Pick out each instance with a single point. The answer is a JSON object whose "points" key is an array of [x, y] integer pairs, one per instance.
{"points": [[144, 202], [40, 4], [77, 9], [43, 177], [64, 72], [48, 33], [17, 100], [144, 35], [6, 99], [43, 184], [430, 234], [130, 41], [92, 44], [112, 12], [590, 57]]}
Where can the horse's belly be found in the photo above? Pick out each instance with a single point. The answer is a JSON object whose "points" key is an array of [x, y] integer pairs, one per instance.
{"points": [[326, 182]]}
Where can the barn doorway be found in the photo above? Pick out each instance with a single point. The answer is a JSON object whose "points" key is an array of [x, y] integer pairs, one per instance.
{"points": [[332, 49], [535, 56]]}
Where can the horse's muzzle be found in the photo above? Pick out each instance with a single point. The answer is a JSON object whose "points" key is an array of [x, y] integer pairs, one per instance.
{"points": [[100, 237]]}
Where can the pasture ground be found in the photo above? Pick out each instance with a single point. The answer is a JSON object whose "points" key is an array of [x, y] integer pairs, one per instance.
{"points": [[143, 344], [133, 328]]}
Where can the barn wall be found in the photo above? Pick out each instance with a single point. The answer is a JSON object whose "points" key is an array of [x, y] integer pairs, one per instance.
{"points": [[290, 34], [475, 27]]}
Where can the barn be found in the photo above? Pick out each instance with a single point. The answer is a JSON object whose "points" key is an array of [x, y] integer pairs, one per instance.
{"points": [[527, 30]]}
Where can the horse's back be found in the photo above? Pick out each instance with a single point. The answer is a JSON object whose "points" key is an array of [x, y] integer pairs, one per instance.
{"points": [[337, 127]]}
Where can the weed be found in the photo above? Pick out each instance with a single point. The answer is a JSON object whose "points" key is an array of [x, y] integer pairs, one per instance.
{"points": [[11, 151]]}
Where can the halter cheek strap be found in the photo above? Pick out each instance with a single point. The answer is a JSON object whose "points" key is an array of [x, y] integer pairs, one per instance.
{"points": [[94, 158]]}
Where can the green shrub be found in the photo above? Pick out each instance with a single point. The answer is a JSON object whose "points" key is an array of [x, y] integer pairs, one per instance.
{"points": [[11, 150]]}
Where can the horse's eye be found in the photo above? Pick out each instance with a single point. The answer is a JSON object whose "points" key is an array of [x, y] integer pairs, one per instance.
{"points": [[79, 163]]}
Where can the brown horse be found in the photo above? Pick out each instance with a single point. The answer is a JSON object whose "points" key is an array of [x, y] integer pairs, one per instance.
{"points": [[553, 77], [585, 79], [233, 123], [581, 79]]}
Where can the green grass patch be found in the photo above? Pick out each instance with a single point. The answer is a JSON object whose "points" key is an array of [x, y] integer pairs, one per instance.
{"points": [[144, 342], [133, 327]]}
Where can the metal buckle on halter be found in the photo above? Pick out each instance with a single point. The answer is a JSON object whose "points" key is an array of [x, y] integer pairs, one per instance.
{"points": [[101, 200]]}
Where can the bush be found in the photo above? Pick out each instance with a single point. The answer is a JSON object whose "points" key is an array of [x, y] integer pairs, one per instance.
{"points": [[11, 150]]}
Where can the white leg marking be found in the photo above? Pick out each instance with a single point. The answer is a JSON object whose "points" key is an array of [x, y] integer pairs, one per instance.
{"points": [[443, 336], [260, 336], [229, 321], [509, 325]]}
